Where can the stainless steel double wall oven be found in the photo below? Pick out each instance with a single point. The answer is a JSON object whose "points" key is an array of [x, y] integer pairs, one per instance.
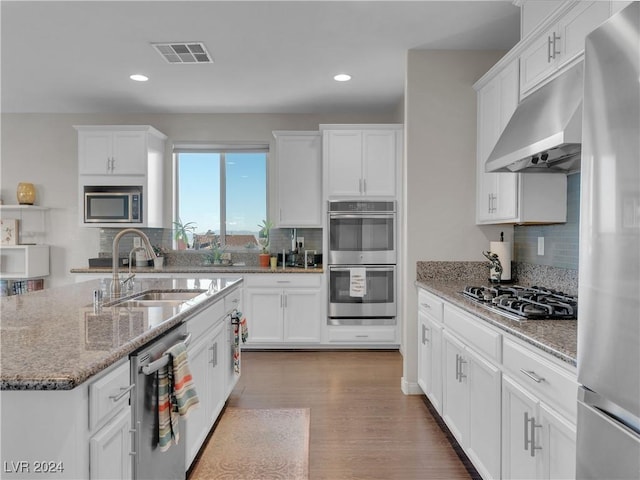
{"points": [[362, 262]]}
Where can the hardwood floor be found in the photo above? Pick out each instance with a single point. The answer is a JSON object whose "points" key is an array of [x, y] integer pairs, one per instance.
{"points": [[362, 425]]}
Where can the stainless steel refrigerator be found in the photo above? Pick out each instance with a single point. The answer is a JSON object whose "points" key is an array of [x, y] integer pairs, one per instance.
{"points": [[608, 432]]}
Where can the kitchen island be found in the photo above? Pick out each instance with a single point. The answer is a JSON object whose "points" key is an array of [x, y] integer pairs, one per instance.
{"points": [[66, 376], [48, 344]]}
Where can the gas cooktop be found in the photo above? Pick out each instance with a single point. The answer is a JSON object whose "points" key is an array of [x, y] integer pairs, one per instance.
{"points": [[525, 303]]}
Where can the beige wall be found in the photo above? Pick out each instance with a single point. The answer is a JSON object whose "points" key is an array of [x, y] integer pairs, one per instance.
{"points": [[439, 171], [42, 149]]}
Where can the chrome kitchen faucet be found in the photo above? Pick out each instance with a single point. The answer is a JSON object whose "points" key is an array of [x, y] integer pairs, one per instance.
{"points": [[116, 285]]}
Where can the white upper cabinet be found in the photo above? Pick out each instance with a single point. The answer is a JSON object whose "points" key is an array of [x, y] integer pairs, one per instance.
{"points": [[362, 160], [511, 197], [118, 150], [496, 192], [560, 43], [119, 155], [299, 190]]}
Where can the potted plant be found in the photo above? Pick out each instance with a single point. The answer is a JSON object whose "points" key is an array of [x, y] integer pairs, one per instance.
{"points": [[263, 240], [214, 257], [181, 231], [158, 261]]}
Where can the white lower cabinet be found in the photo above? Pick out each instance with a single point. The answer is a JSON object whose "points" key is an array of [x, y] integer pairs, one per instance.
{"points": [[510, 406], [110, 425], [69, 434], [471, 404], [209, 361], [110, 449], [283, 309], [537, 441], [429, 360], [208, 372]]}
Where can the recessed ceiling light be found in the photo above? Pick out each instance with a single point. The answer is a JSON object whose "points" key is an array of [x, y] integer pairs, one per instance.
{"points": [[342, 77], [139, 77]]}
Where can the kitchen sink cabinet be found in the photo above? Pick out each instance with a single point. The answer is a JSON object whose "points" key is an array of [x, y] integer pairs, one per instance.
{"points": [[283, 309], [206, 361], [210, 361], [361, 161], [299, 188], [510, 197]]}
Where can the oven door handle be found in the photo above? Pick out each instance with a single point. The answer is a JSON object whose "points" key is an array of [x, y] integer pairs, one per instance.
{"points": [[153, 367]]}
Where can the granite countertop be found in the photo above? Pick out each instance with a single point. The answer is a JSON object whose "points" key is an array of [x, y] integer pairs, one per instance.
{"points": [[199, 269], [556, 337], [53, 339]]}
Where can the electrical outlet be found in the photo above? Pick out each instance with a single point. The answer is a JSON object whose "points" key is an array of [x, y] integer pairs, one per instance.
{"points": [[300, 243], [540, 245], [137, 242]]}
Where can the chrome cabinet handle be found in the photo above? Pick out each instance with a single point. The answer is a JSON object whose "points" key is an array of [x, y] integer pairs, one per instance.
{"points": [[530, 426], [534, 447], [552, 51], [462, 375], [457, 366], [555, 50], [526, 430], [214, 354], [424, 335], [532, 375], [364, 185], [123, 392]]}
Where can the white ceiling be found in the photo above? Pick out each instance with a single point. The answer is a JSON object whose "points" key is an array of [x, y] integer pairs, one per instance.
{"points": [[269, 57]]}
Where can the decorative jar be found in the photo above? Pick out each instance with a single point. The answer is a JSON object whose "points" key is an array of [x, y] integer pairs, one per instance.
{"points": [[26, 193]]}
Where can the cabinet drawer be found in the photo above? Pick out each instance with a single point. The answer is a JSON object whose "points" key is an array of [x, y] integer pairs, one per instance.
{"points": [[430, 305], [233, 300], [283, 280], [206, 319], [555, 386], [381, 334], [481, 338], [108, 395]]}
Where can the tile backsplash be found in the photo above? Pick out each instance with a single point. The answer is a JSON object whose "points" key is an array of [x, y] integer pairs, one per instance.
{"points": [[560, 241]]}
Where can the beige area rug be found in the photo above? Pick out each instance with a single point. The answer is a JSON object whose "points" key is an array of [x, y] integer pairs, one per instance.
{"points": [[257, 444]]}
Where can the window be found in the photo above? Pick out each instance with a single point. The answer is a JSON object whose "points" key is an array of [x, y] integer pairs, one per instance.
{"points": [[221, 193]]}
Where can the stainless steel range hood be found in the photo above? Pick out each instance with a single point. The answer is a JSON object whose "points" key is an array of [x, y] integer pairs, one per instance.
{"points": [[545, 132]]}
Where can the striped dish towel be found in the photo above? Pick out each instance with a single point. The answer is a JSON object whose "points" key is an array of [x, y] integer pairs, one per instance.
{"points": [[176, 395], [240, 331]]}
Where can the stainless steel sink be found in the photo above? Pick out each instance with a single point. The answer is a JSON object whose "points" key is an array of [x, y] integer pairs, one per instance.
{"points": [[165, 298], [150, 303], [168, 296]]}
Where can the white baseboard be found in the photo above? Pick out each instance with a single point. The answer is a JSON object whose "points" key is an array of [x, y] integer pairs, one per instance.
{"points": [[410, 388]]}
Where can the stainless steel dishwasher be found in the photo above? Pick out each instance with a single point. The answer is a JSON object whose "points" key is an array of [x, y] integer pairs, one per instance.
{"points": [[149, 463]]}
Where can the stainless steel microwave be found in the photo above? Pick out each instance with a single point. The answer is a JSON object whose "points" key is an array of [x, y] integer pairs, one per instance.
{"points": [[112, 204]]}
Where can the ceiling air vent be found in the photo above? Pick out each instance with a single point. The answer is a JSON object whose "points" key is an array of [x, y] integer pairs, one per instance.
{"points": [[187, 52]]}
